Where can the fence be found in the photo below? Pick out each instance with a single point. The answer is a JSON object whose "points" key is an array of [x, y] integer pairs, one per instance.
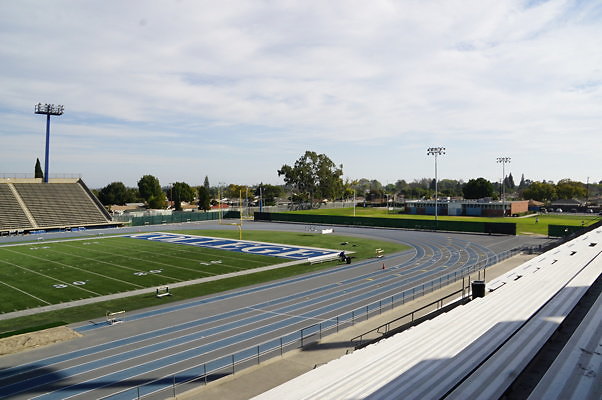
{"points": [[563, 230], [227, 365], [505, 228], [177, 217], [412, 318]]}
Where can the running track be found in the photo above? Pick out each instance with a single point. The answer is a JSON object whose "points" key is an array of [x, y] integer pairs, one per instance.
{"points": [[153, 345]]}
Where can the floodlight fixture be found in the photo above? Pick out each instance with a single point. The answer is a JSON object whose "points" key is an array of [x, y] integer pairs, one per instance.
{"points": [[503, 161], [436, 151], [48, 110]]}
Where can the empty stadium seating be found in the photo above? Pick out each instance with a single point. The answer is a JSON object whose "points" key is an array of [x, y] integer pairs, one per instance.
{"points": [[477, 350], [29, 204], [12, 216]]}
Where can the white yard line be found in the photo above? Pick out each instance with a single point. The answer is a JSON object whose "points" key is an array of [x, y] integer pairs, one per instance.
{"points": [[24, 292]]}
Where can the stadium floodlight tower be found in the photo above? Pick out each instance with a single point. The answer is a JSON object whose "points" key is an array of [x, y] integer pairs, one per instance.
{"points": [[48, 110], [435, 151], [503, 161]]}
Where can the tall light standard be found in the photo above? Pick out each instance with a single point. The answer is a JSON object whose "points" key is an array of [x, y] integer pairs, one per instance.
{"points": [[48, 110], [435, 151], [503, 161]]}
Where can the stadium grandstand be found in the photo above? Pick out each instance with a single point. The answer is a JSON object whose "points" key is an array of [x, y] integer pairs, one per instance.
{"points": [[535, 334], [27, 205]]}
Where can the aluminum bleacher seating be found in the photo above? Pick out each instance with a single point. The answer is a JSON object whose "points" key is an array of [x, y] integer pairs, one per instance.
{"points": [[12, 216], [30, 205], [472, 351], [60, 204], [576, 372]]}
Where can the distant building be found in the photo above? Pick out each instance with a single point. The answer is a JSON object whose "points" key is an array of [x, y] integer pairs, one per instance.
{"points": [[535, 205], [473, 208], [567, 204]]}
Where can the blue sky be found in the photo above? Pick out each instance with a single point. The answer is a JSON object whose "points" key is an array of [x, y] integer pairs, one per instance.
{"points": [[235, 89]]}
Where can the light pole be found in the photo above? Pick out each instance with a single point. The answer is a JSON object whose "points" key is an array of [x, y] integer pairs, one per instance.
{"points": [[435, 151], [503, 161], [48, 110]]}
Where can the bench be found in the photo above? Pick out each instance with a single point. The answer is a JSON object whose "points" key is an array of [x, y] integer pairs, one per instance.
{"points": [[324, 258], [162, 291]]}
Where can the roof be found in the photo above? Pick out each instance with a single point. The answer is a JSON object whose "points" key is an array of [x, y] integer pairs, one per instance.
{"points": [[567, 202]]}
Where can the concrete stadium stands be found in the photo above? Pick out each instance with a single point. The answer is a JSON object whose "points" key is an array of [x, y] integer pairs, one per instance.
{"points": [[477, 350], [28, 204]]}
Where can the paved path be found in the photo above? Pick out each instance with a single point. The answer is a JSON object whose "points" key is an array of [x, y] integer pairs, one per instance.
{"points": [[167, 341], [256, 380]]}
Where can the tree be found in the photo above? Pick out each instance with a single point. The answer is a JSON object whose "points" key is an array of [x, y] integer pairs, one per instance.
{"points": [[204, 198], [523, 183], [206, 183], [509, 182], [540, 191], [269, 193], [157, 202], [151, 193], [477, 189], [180, 191], [114, 193], [236, 191], [314, 177], [133, 196], [568, 189], [449, 187], [38, 173]]}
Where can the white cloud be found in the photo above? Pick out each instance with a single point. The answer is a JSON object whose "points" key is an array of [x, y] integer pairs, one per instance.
{"points": [[179, 82]]}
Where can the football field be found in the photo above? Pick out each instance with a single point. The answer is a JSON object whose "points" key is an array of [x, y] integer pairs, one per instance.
{"points": [[43, 273]]}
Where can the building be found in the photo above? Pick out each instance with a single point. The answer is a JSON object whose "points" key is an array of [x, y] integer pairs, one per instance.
{"points": [[473, 208]]}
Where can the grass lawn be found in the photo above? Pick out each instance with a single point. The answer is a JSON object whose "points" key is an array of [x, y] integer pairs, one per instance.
{"points": [[28, 273], [524, 226]]}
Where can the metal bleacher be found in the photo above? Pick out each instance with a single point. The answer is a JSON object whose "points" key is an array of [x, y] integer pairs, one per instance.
{"points": [[477, 350], [26, 205], [12, 215], [577, 370]]}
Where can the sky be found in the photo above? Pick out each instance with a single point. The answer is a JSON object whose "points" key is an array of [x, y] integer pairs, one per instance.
{"points": [[233, 90]]}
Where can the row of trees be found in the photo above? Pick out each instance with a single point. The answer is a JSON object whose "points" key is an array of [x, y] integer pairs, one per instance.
{"points": [[314, 178], [150, 192]]}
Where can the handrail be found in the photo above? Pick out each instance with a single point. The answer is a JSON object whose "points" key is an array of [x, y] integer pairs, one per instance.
{"points": [[411, 313], [203, 373]]}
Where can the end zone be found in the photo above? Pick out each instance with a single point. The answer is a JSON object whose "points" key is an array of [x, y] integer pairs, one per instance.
{"points": [[242, 246]]}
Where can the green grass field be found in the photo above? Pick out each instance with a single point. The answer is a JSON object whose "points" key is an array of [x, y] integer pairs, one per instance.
{"points": [[37, 274], [524, 226]]}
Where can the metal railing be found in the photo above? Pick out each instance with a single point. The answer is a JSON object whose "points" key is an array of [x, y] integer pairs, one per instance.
{"points": [[385, 329], [212, 370]]}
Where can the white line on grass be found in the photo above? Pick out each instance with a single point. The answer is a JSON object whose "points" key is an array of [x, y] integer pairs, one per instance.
{"points": [[187, 250], [192, 252], [78, 269], [24, 292], [50, 277], [119, 265]]}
